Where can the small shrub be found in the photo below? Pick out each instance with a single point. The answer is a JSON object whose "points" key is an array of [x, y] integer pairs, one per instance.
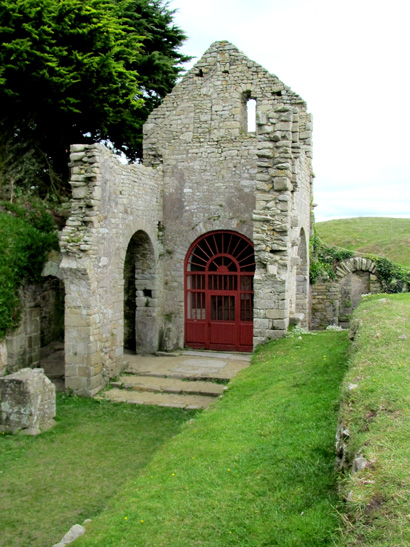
{"points": [[324, 259], [395, 278]]}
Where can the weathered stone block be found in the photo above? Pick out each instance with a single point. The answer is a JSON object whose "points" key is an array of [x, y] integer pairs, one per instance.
{"points": [[276, 314], [27, 401], [282, 183], [77, 156], [77, 147], [280, 324]]}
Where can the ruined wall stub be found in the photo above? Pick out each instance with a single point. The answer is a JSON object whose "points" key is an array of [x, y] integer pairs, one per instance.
{"points": [[40, 322], [41, 306], [219, 176], [111, 202]]}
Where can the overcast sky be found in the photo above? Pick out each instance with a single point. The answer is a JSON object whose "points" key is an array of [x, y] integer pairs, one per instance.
{"points": [[350, 61]]}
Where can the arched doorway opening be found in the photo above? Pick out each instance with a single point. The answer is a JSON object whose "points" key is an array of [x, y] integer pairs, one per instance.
{"points": [[52, 358], [140, 298], [219, 270]]}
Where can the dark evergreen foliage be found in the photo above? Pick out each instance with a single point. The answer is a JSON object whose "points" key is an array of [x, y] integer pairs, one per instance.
{"points": [[76, 71]]}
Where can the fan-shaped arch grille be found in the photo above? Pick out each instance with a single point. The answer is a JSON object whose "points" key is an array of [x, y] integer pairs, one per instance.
{"points": [[219, 271]]}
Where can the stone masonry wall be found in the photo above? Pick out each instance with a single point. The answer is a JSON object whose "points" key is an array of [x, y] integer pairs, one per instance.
{"points": [[282, 216], [24, 343], [204, 171], [111, 203], [219, 176], [42, 308]]}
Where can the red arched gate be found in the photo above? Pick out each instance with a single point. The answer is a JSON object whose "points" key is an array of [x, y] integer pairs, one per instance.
{"points": [[219, 270]]}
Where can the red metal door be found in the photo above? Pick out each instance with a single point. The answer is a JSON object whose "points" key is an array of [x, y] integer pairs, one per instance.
{"points": [[219, 271]]}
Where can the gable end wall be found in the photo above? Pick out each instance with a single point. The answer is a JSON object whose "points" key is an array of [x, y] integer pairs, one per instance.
{"points": [[217, 176]]}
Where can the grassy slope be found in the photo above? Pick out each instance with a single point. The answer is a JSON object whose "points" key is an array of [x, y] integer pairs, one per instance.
{"points": [[377, 413], [386, 237], [256, 469], [68, 474]]}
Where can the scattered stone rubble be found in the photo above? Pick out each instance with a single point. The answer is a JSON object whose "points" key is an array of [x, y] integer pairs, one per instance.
{"points": [[74, 533]]}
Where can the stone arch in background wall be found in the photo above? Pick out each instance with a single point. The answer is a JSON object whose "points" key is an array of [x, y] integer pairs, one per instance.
{"points": [[332, 301], [140, 295], [357, 277], [302, 279]]}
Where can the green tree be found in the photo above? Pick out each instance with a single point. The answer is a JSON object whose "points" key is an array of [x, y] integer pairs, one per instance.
{"points": [[75, 71]]}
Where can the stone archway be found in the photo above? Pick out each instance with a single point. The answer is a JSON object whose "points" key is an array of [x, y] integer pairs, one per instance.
{"points": [[140, 296], [357, 278], [52, 309], [333, 301]]}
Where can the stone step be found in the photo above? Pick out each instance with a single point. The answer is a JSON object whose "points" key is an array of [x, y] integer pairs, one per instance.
{"points": [[168, 385], [185, 376], [189, 402], [194, 367], [236, 355], [177, 380]]}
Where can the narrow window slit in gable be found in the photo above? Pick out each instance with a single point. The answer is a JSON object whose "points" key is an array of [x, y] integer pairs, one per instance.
{"points": [[251, 115]]}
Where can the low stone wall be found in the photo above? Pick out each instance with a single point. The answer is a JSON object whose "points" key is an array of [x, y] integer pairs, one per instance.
{"points": [[24, 343], [324, 296], [42, 321]]}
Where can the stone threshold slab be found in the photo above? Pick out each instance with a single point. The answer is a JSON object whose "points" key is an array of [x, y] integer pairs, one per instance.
{"points": [[188, 402], [201, 367], [168, 385], [239, 356]]}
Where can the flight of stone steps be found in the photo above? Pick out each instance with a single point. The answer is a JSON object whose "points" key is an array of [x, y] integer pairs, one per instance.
{"points": [[190, 380]]}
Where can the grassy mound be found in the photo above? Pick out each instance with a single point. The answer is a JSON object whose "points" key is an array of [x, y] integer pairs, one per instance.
{"points": [[385, 237], [256, 469], [376, 412]]}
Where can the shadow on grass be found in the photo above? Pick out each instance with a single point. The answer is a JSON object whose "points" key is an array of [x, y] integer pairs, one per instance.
{"points": [[70, 473]]}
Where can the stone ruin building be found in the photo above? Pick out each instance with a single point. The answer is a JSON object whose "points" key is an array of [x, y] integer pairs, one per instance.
{"points": [[206, 244], [211, 233]]}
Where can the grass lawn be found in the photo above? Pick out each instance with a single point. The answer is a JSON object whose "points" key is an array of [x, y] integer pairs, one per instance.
{"points": [[377, 414], [386, 237], [255, 469], [70, 473]]}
